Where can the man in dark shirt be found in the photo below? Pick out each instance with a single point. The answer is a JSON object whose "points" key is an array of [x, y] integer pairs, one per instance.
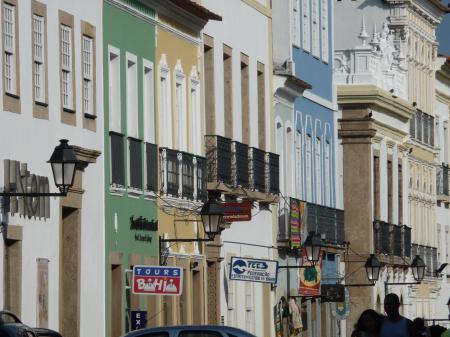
{"points": [[394, 324]]}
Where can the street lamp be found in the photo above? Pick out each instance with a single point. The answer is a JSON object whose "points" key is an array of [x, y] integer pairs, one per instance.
{"points": [[212, 217], [372, 268], [418, 268], [312, 244], [63, 162]]}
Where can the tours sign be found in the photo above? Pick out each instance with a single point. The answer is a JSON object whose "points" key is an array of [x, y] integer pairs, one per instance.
{"points": [[157, 280], [253, 270]]}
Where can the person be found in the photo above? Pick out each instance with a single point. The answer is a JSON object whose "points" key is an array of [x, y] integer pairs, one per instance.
{"points": [[296, 317], [284, 311], [419, 323], [368, 325], [395, 325]]}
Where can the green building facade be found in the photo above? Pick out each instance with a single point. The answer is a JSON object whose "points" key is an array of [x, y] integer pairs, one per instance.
{"points": [[131, 157]]}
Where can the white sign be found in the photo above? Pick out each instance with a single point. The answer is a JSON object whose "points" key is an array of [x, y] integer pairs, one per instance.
{"points": [[253, 270]]}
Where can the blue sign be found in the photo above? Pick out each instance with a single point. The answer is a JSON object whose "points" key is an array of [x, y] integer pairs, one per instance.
{"points": [[253, 270], [138, 320]]}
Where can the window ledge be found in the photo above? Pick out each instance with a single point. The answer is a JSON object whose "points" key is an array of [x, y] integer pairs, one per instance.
{"points": [[10, 94], [90, 116], [149, 195], [71, 111], [134, 192], [117, 190], [41, 103]]}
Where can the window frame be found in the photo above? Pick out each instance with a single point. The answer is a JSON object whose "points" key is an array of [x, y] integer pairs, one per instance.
{"points": [[66, 67], [306, 25], [39, 61], [88, 76], [10, 51], [115, 115]]}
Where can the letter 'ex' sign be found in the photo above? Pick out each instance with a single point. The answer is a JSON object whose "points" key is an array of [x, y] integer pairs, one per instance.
{"points": [[156, 280]]}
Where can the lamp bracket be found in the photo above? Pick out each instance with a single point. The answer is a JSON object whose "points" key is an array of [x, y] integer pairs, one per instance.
{"points": [[32, 194]]}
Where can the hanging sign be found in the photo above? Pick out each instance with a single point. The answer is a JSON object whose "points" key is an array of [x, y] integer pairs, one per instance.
{"points": [[297, 221], [310, 277], [253, 270], [157, 280], [236, 211], [341, 310]]}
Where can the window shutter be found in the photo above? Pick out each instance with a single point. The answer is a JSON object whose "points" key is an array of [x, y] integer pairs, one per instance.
{"points": [[135, 163], [117, 159], [152, 166]]}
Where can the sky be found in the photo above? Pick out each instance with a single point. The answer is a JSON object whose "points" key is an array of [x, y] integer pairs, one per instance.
{"points": [[443, 34]]}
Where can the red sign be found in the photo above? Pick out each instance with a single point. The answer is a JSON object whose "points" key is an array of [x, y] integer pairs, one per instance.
{"points": [[310, 277], [157, 280], [236, 211]]}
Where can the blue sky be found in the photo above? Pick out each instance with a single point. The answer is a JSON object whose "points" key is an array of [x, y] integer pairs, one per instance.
{"points": [[443, 34]]}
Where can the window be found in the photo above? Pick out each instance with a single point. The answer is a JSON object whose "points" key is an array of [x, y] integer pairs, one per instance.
{"points": [[324, 30], [38, 58], [208, 60], [306, 39], [309, 173], [327, 165], [135, 173], [228, 90], [114, 91], [165, 103], [390, 191], [446, 149], [299, 162], [279, 135], [318, 171], [196, 130], [376, 187], [180, 110], [261, 107], [149, 104], [9, 47], [88, 70], [289, 161], [66, 67], [245, 100], [132, 97], [315, 28], [400, 192], [117, 159], [295, 25]]}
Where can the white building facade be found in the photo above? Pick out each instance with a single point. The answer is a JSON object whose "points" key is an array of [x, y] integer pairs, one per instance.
{"points": [[53, 247]]}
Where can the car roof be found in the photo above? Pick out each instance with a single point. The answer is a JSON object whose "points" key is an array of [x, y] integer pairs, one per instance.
{"points": [[176, 328]]}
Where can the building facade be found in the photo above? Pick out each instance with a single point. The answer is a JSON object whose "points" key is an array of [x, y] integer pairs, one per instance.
{"points": [[52, 253], [442, 183], [306, 140], [239, 149], [131, 217]]}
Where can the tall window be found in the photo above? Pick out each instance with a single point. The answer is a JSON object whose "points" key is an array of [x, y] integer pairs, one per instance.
{"points": [[9, 47], [180, 108], [309, 173], [390, 196], [114, 90], [228, 90], [306, 39], [400, 192], [376, 187], [289, 161], [319, 171], [245, 99], [132, 97], [327, 165], [315, 28], [208, 60], [446, 149], [298, 161], [195, 116], [324, 29], [88, 76], [38, 58], [261, 107], [149, 104], [66, 67], [296, 22], [164, 103]]}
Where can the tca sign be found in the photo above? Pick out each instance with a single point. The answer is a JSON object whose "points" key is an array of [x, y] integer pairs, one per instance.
{"points": [[253, 270], [157, 280]]}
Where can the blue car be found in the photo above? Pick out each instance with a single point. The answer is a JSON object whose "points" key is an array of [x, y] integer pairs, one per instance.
{"points": [[190, 331]]}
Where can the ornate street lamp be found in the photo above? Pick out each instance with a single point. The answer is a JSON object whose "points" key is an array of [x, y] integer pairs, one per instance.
{"points": [[372, 268], [312, 244], [418, 268], [212, 217], [63, 162]]}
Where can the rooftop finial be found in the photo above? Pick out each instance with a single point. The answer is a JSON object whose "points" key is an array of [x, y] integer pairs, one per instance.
{"points": [[375, 40], [363, 35]]}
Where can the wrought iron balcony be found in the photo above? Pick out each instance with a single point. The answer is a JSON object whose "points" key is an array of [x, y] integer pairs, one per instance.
{"points": [[327, 221], [183, 175], [429, 255], [237, 165], [392, 240], [442, 180]]}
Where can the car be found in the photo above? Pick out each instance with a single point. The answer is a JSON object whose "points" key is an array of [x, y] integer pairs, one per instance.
{"points": [[11, 326], [190, 331]]}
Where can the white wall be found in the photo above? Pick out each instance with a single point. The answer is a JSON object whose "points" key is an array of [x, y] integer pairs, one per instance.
{"points": [[32, 141]]}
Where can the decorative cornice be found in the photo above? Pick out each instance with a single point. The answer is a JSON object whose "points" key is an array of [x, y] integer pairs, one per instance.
{"points": [[443, 97], [373, 97]]}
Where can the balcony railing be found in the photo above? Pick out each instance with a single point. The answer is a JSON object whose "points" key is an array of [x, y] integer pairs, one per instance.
{"points": [[182, 175], [392, 240], [237, 165], [429, 256], [442, 175], [329, 222]]}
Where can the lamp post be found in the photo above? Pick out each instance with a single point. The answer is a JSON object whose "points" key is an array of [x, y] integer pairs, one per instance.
{"points": [[212, 217], [312, 244], [418, 268], [372, 267], [63, 162]]}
